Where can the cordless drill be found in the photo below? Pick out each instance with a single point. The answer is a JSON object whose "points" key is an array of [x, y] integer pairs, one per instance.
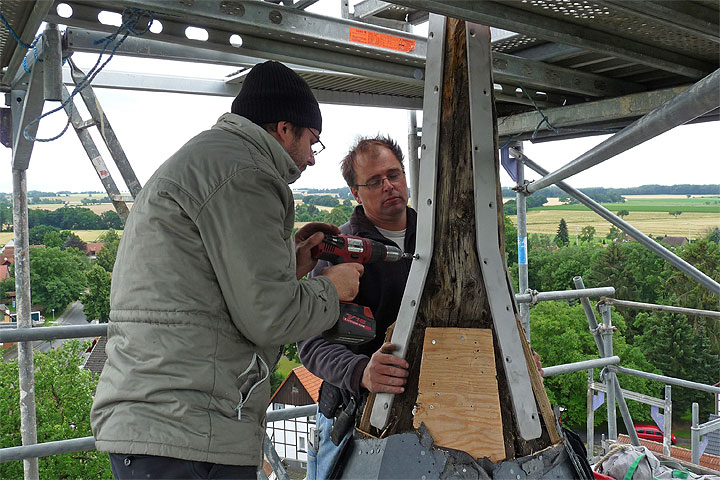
{"points": [[356, 324]]}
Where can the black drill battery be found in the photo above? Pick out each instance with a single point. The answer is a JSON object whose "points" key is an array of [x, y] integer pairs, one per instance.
{"points": [[355, 326]]}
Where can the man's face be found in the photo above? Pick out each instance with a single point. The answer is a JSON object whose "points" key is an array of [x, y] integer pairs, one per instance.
{"points": [[386, 202], [300, 147]]}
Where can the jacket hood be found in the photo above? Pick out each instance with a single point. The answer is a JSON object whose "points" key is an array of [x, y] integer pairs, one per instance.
{"points": [[255, 134]]}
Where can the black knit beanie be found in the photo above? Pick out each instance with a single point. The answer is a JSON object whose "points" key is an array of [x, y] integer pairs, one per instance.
{"points": [[272, 92]]}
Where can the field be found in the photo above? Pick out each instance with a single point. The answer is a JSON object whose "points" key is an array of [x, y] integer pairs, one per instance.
{"points": [[85, 235], [75, 200], [647, 213], [96, 209]]}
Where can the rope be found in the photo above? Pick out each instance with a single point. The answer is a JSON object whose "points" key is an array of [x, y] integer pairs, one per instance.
{"points": [[615, 448], [544, 117], [130, 21]]}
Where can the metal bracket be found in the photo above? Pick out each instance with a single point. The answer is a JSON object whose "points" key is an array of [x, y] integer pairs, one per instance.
{"points": [[488, 247], [426, 211], [26, 106]]}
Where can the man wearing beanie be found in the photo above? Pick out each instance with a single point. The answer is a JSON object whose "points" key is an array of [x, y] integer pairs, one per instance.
{"points": [[206, 290]]}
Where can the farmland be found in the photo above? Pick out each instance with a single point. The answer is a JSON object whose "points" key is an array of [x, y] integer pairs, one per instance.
{"points": [[648, 213]]}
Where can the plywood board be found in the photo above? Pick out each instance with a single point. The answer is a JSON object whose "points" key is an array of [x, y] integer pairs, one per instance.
{"points": [[458, 393]]}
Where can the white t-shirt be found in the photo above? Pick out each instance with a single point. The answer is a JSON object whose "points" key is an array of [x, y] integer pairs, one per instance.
{"points": [[397, 236]]}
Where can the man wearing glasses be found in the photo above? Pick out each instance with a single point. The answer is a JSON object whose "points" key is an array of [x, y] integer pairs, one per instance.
{"points": [[373, 169], [206, 290]]}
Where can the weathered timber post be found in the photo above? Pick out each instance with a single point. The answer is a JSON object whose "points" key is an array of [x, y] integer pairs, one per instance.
{"points": [[455, 294]]}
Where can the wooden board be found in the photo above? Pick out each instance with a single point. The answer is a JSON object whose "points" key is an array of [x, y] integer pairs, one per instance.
{"points": [[458, 392]]}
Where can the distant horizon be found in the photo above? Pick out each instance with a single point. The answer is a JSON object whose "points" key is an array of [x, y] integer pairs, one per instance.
{"points": [[345, 186]]}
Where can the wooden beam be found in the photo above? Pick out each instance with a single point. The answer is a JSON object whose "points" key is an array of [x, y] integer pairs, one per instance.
{"points": [[454, 294]]}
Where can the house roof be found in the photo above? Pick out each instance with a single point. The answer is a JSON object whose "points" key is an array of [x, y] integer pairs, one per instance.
{"points": [[96, 246], [677, 241], [310, 383], [96, 361]]}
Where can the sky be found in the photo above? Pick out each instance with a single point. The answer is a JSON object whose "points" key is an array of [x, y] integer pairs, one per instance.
{"points": [[152, 126]]}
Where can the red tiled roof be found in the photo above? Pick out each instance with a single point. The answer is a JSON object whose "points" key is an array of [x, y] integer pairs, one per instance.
{"points": [[309, 381], [707, 460]]}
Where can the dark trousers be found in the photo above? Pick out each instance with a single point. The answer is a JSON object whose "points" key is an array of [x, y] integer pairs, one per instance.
{"points": [[127, 467]]}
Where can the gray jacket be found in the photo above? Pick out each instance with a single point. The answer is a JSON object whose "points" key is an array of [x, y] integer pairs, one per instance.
{"points": [[204, 294]]}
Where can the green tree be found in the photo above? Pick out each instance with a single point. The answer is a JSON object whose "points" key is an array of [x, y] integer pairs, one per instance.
{"points": [[56, 238], [560, 335], [291, 353], [562, 238], [554, 269], [614, 234], [672, 344], [537, 199], [622, 213], [307, 213], [73, 241], [680, 291], [510, 207], [6, 285], [110, 219], [107, 254], [57, 276], [324, 200], [714, 235], [63, 393], [96, 301], [110, 236], [511, 242], [540, 240], [276, 380], [36, 235], [339, 215], [587, 233]]}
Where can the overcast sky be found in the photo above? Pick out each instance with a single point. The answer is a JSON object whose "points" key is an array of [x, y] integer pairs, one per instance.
{"points": [[152, 126]]}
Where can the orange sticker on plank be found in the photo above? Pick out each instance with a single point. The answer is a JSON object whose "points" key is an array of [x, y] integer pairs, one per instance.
{"points": [[382, 40]]}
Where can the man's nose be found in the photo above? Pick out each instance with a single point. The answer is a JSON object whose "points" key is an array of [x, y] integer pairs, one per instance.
{"points": [[386, 184], [311, 160]]}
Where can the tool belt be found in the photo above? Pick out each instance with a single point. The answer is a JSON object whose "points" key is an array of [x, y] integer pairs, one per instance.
{"points": [[343, 413]]}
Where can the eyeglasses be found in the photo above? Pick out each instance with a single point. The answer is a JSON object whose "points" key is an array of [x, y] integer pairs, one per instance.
{"points": [[394, 177], [316, 149]]}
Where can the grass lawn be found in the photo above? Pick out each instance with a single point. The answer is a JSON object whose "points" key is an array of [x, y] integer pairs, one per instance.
{"points": [[285, 365]]}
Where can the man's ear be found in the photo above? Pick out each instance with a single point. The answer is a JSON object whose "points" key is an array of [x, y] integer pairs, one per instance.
{"points": [[282, 132], [355, 194]]}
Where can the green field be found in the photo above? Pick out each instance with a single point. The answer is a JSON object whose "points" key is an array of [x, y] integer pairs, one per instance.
{"points": [[701, 204]]}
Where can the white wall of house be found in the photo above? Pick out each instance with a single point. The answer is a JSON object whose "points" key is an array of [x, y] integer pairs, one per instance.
{"points": [[290, 437]]}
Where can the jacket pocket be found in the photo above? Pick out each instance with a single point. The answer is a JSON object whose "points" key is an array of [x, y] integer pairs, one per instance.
{"points": [[255, 374]]}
